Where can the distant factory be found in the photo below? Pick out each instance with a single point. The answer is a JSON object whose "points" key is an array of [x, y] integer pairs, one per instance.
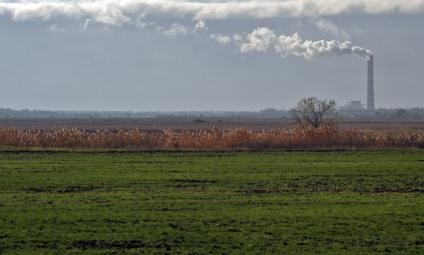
{"points": [[353, 106]]}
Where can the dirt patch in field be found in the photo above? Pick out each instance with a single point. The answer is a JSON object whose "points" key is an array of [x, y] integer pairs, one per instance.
{"points": [[171, 209], [407, 185], [195, 181], [65, 189], [390, 190], [348, 184], [190, 183], [43, 244], [113, 244]]}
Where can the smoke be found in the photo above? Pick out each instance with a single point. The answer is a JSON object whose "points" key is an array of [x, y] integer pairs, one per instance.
{"points": [[118, 12], [141, 12], [222, 39], [264, 39], [176, 29], [327, 26]]}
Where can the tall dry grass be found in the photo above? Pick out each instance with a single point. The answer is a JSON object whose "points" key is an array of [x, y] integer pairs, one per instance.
{"points": [[211, 139]]}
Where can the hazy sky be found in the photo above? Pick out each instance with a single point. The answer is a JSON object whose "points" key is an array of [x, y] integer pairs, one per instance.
{"points": [[203, 55]]}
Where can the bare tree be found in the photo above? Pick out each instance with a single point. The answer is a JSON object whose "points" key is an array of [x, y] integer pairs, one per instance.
{"points": [[313, 112]]}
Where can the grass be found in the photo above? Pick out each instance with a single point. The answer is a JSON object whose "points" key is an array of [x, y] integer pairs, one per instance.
{"points": [[368, 202]]}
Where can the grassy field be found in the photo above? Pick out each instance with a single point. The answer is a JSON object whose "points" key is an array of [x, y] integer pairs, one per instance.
{"points": [[212, 203]]}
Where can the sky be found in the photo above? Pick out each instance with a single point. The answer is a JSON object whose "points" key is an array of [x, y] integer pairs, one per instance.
{"points": [[208, 55]]}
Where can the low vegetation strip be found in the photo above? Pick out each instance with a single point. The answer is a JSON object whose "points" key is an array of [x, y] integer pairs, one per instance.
{"points": [[363, 202], [211, 139]]}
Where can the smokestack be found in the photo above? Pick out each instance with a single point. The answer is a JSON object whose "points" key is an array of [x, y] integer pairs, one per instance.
{"points": [[370, 83]]}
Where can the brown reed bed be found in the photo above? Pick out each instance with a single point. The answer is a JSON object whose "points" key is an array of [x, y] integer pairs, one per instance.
{"points": [[211, 139]]}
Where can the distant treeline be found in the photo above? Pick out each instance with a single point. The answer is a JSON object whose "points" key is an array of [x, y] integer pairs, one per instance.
{"points": [[269, 113], [41, 114]]}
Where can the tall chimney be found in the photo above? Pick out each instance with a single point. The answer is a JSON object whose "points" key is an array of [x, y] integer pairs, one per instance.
{"points": [[370, 83]]}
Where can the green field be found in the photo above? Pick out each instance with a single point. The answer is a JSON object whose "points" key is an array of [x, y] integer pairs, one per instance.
{"points": [[212, 203]]}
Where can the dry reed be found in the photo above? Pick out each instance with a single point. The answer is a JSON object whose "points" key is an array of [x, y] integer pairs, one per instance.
{"points": [[210, 139]]}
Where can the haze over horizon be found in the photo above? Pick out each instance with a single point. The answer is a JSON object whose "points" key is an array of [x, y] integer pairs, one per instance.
{"points": [[170, 55]]}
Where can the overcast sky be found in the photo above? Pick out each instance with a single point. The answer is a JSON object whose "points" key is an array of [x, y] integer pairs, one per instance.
{"points": [[204, 55]]}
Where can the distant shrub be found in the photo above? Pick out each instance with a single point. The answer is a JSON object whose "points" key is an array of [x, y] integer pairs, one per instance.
{"points": [[313, 112], [199, 120]]}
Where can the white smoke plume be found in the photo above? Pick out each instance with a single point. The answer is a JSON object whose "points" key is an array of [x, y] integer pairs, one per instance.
{"points": [[264, 39], [327, 26], [118, 12], [222, 39], [174, 30], [200, 25]]}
